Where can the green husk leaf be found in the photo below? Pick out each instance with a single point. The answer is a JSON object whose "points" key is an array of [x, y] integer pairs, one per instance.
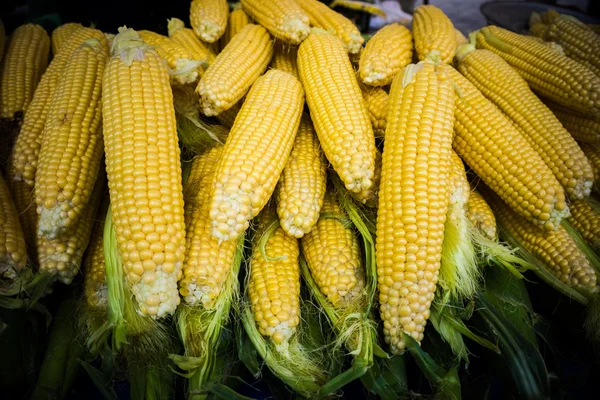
{"points": [[387, 378], [98, 379]]}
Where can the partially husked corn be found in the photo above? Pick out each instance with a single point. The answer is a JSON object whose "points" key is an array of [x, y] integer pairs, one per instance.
{"points": [[433, 32], [592, 153], [377, 103], [337, 109], [237, 20], [72, 146], [586, 219], [481, 216], [285, 58], [284, 19], [13, 254], [385, 55], [302, 184], [333, 254], [256, 152], [583, 128], [209, 18], [187, 38], [413, 199], [62, 34], [94, 266], [235, 69], [502, 157], [144, 172]]}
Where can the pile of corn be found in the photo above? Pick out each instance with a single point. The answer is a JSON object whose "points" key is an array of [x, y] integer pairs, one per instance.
{"points": [[306, 102]]}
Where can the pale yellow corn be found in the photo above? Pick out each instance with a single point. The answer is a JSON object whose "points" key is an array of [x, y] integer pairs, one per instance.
{"points": [[284, 19], [237, 20], [94, 267], [62, 34], [13, 254], [433, 31], [586, 219], [481, 216], [186, 37], [285, 58], [377, 101], [209, 18]]}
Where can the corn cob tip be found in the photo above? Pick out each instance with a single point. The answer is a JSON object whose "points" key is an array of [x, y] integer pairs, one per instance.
{"points": [[208, 30], [355, 43], [129, 46], [174, 24]]}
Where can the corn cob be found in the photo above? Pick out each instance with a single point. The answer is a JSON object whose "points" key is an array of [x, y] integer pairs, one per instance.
{"points": [[209, 18], [500, 83], [385, 54], [302, 184], [144, 173], [274, 286], [362, 6], [332, 254], [548, 73], [94, 268], [62, 34], [549, 16], [285, 58], [72, 145], [592, 153], [458, 185], [338, 110], [368, 197], [321, 16], [235, 69], [557, 250], [586, 219], [433, 31], [256, 151], [13, 254], [237, 20], [61, 256], [414, 169], [227, 117], [188, 40], [481, 216], [22, 195], [283, 18], [182, 68], [503, 158], [377, 100], [582, 127]]}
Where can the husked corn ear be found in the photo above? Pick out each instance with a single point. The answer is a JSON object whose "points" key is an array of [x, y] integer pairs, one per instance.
{"points": [[94, 267], [285, 58], [547, 72], [385, 54], [500, 83], [207, 260], [583, 128], [556, 249], [256, 151], [186, 37], [592, 153], [209, 18], [227, 117], [337, 109], [237, 20], [22, 195], [368, 197], [62, 34], [586, 219], [274, 286], [332, 254], [502, 157], [24, 157], [302, 183], [284, 19], [481, 216], [460, 38], [72, 145], [13, 254], [61, 256], [377, 101], [235, 69], [458, 185], [321, 16], [144, 172], [433, 31], [413, 199]]}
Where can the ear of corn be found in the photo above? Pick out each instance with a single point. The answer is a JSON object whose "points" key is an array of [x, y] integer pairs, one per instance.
{"points": [[13, 254], [585, 217], [481, 216], [583, 128], [548, 73], [227, 117], [235, 69], [302, 184], [500, 83], [72, 145], [413, 202], [321, 16], [186, 37], [94, 267], [209, 18], [385, 54], [22, 195], [433, 31], [368, 197], [144, 173], [377, 101], [592, 153], [285, 58], [284, 19], [256, 151], [501, 156], [237, 20], [337, 109], [62, 34]]}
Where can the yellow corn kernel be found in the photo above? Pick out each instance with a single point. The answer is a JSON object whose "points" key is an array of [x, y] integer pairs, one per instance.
{"points": [[285, 58], [368, 197], [302, 184], [413, 199], [385, 54], [13, 254], [144, 172], [274, 286], [209, 18], [377, 101], [433, 31], [256, 151], [94, 267], [333, 256], [321, 16], [235, 69], [547, 72], [284, 19], [186, 37], [62, 34], [237, 20], [583, 128], [227, 117], [22, 195], [458, 185], [592, 153], [586, 219], [72, 145], [502, 157], [500, 83], [337, 109], [481, 216]]}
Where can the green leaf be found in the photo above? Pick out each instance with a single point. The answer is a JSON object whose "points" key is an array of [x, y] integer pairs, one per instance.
{"points": [[98, 379]]}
